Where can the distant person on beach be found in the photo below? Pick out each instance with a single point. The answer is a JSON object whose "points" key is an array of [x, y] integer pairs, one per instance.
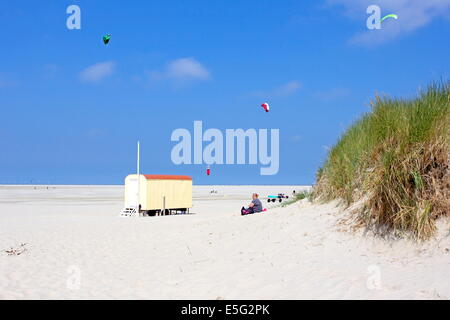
{"points": [[254, 206]]}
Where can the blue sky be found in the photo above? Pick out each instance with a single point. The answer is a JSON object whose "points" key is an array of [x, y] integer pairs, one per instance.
{"points": [[71, 108]]}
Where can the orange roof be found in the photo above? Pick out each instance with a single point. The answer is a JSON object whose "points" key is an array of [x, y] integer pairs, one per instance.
{"points": [[165, 177]]}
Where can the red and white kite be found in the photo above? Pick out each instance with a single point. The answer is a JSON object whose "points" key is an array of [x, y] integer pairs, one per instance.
{"points": [[266, 107]]}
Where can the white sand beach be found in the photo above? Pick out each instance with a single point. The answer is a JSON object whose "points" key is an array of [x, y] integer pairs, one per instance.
{"points": [[71, 244]]}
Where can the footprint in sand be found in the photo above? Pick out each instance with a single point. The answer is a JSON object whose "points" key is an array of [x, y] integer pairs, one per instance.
{"points": [[430, 294]]}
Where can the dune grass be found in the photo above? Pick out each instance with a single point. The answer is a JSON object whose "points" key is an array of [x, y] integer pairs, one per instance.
{"points": [[298, 196], [395, 161]]}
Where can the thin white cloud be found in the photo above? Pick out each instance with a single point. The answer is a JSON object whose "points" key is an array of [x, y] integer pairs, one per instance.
{"points": [[283, 90], [50, 67], [287, 89], [6, 80], [182, 70], [186, 68], [96, 132], [50, 70], [413, 15], [332, 94], [4, 83], [97, 72]]}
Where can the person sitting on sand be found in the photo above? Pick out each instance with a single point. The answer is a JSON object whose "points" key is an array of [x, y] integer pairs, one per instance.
{"points": [[254, 206]]}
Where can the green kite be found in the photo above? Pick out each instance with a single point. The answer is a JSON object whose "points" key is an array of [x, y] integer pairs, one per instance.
{"points": [[106, 39], [389, 16]]}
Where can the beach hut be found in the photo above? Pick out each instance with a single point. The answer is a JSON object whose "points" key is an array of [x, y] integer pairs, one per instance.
{"points": [[157, 194]]}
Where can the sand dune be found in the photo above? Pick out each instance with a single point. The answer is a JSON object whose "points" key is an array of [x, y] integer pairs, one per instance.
{"points": [[67, 242]]}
